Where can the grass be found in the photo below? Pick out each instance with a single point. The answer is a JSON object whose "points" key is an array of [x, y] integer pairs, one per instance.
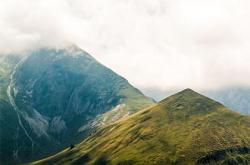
{"points": [[181, 129]]}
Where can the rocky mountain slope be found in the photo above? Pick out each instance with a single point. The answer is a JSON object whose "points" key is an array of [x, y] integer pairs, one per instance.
{"points": [[51, 98], [186, 128]]}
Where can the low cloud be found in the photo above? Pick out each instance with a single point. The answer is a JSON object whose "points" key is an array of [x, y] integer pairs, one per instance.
{"points": [[165, 44]]}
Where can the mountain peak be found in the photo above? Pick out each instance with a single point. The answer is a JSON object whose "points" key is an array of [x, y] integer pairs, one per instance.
{"points": [[188, 99], [189, 93], [187, 90], [63, 95]]}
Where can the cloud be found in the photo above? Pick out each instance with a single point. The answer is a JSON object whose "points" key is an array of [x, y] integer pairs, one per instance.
{"points": [[163, 43]]}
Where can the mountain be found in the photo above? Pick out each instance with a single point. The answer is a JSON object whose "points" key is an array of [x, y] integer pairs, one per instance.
{"points": [[236, 98], [185, 128], [51, 98]]}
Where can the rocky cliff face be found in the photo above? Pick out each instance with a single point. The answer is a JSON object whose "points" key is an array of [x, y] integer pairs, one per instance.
{"points": [[57, 97]]}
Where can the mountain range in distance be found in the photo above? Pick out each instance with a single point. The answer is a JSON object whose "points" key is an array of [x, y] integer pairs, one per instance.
{"points": [[51, 99]]}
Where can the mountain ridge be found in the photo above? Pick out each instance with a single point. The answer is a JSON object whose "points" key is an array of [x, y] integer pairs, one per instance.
{"points": [[179, 129], [51, 94]]}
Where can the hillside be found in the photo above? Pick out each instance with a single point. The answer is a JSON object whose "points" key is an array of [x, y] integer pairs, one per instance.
{"points": [[186, 128], [51, 98]]}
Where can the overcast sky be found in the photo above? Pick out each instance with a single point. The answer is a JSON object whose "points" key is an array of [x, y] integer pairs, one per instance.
{"points": [[163, 44]]}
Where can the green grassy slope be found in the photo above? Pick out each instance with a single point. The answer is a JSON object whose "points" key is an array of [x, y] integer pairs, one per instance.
{"points": [[186, 128]]}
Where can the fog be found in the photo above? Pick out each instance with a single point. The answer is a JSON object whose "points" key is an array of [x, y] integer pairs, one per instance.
{"points": [[163, 44]]}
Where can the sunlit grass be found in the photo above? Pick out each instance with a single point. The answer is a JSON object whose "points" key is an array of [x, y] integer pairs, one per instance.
{"points": [[181, 128]]}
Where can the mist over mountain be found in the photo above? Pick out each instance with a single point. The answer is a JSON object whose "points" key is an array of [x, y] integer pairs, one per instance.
{"points": [[180, 43], [51, 98], [94, 82]]}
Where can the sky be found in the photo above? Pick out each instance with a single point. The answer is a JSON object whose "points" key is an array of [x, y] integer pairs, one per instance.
{"points": [[163, 44]]}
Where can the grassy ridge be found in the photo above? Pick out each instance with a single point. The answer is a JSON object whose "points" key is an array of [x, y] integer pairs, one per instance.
{"points": [[181, 129]]}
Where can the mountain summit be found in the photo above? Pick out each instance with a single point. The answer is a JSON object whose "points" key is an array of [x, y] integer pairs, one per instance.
{"points": [[189, 100], [185, 128]]}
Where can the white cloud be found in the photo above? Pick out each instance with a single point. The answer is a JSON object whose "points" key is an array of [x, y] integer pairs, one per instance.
{"points": [[161, 43]]}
